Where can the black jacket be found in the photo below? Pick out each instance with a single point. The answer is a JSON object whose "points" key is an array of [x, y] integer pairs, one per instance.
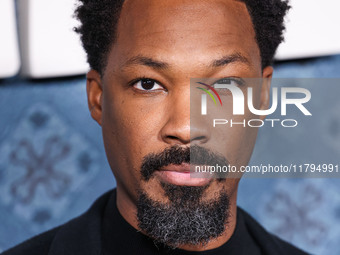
{"points": [[82, 236]]}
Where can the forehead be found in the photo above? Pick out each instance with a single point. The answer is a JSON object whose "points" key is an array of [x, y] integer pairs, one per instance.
{"points": [[185, 30]]}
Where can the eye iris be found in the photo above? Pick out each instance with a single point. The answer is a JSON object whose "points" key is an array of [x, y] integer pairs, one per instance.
{"points": [[147, 84]]}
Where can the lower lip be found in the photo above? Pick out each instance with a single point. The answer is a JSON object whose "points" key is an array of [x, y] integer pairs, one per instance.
{"points": [[181, 178]]}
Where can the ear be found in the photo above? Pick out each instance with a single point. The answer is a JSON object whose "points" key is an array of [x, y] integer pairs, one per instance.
{"points": [[94, 91], [267, 75]]}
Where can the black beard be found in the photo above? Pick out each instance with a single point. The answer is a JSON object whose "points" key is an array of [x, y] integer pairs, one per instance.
{"points": [[185, 220]]}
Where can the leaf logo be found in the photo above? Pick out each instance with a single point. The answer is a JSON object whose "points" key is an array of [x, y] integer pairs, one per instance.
{"points": [[209, 93]]}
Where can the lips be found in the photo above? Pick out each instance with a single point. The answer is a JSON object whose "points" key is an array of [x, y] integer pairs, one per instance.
{"points": [[181, 175]]}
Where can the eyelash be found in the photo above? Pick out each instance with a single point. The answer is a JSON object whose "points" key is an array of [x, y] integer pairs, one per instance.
{"points": [[134, 81], [239, 81]]}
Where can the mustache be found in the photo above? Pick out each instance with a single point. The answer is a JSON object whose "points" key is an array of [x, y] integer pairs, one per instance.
{"points": [[177, 155]]}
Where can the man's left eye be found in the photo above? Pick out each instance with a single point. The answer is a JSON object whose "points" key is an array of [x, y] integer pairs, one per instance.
{"points": [[147, 85]]}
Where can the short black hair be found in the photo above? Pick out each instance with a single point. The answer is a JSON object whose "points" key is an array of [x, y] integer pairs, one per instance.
{"points": [[99, 20]]}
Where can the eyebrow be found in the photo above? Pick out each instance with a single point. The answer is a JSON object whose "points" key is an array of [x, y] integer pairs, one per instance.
{"points": [[159, 65], [146, 61], [228, 59]]}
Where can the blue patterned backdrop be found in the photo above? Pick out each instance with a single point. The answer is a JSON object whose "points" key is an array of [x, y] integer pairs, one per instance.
{"points": [[53, 165]]}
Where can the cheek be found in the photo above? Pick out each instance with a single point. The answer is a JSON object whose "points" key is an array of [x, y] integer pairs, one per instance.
{"points": [[246, 136], [236, 142], [245, 145], [130, 131]]}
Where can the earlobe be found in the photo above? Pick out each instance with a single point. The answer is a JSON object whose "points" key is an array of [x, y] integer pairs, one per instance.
{"points": [[265, 91], [94, 95]]}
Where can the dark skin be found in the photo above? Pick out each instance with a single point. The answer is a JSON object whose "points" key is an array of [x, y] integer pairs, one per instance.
{"points": [[171, 42]]}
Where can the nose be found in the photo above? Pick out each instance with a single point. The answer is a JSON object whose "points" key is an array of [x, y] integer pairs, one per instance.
{"points": [[181, 128]]}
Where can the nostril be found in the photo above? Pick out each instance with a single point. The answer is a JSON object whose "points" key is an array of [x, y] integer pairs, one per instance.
{"points": [[199, 138], [172, 137]]}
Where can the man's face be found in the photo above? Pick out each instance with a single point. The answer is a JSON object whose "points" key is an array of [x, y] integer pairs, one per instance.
{"points": [[169, 42]]}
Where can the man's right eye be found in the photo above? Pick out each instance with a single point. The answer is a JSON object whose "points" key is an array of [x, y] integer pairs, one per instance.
{"points": [[147, 85]]}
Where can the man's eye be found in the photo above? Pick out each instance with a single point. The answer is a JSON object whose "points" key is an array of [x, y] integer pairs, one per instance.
{"points": [[147, 85], [229, 81]]}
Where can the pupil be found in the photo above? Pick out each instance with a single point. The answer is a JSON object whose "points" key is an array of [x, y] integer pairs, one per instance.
{"points": [[148, 84]]}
